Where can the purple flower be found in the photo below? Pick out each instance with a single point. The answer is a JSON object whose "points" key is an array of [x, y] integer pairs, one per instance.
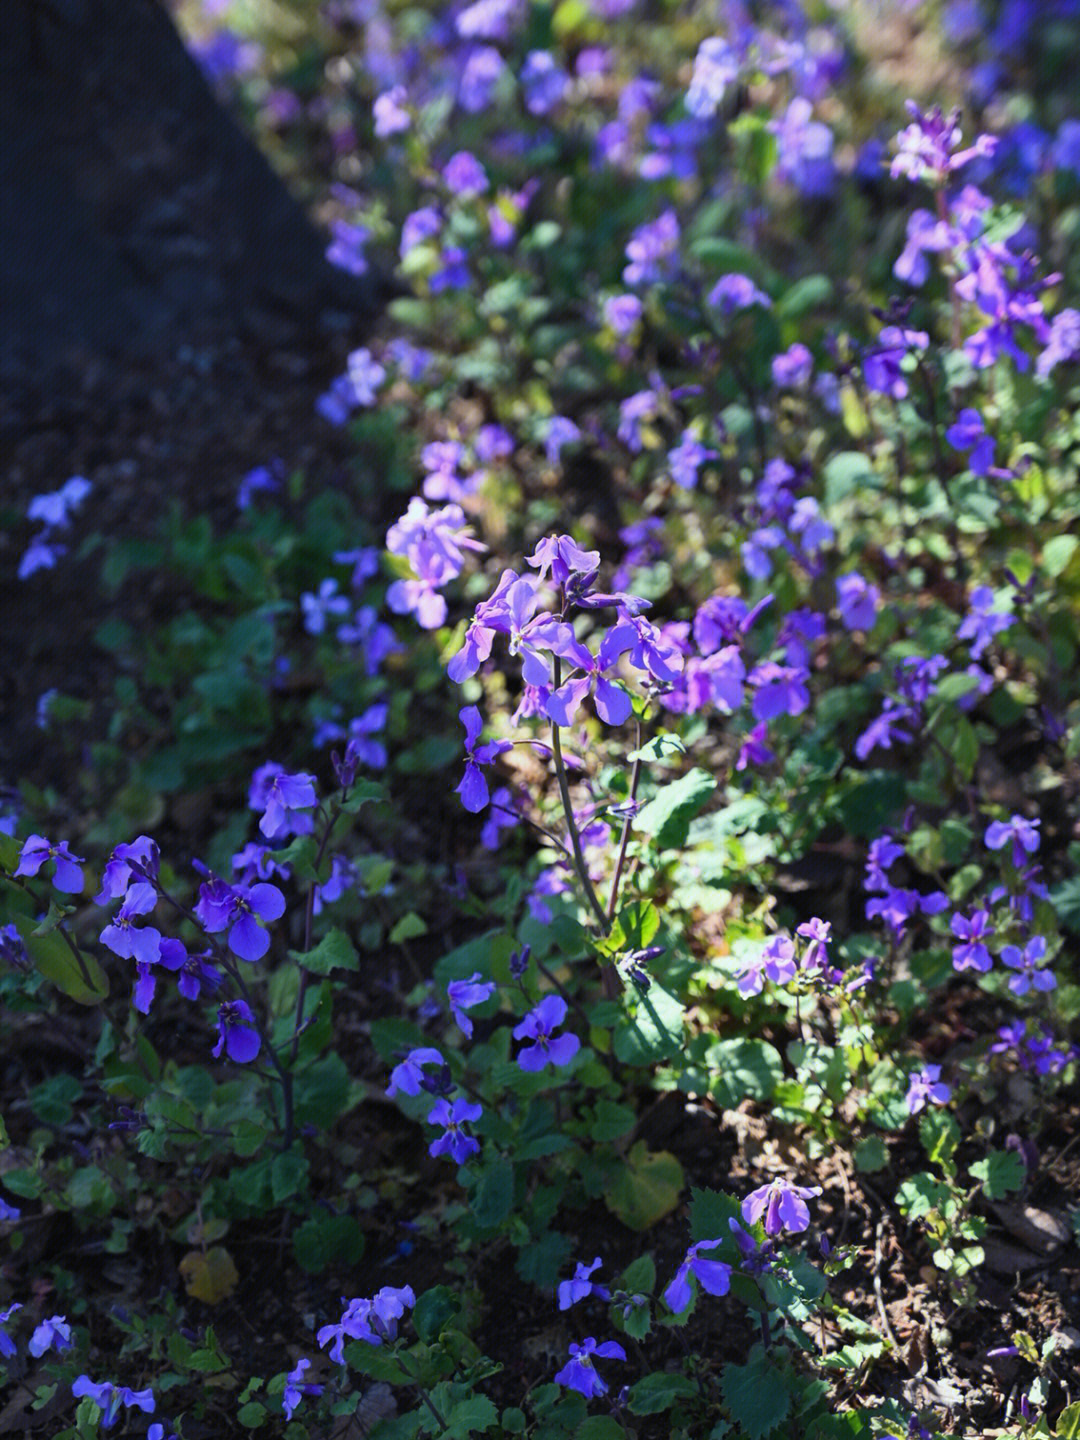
{"points": [[714, 1277], [8, 1213], [982, 623], [972, 954], [419, 226], [754, 750], [804, 149], [780, 690], [128, 940], [887, 728], [925, 1086], [365, 376], [879, 856], [51, 1334], [1028, 963], [716, 67], [56, 508], [782, 1204], [652, 250], [489, 20], [792, 369], [473, 788], [969, 433], [236, 1032], [882, 366], [687, 458], [578, 1288], [346, 250], [464, 994], [454, 1141], [464, 176], [622, 313], [280, 797], [538, 1026], [295, 1389], [109, 1398], [316, 607], [482, 72], [238, 909], [857, 601], [36, 851], [371, 1321], [8, 1348], [137, 863], [563, 558], [543, 81], [1062, 343], [195, 974], [927, 149], [775, 961], [1023, 833], [407, 1077], [40, 554], [580, 1374], [736, 292], [391, 117]]}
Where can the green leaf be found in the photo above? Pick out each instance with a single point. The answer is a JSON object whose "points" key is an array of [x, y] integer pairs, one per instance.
{"points": [[806, 294], [659, 1392], [1057, 552], [940, 1136], [87, 983], [871, 1155], [471, 1415], [324, 1241], [667, 816], [407, 928], [635, 928], [754, 1394], [651, 1028], [335, 951], [541, 1261], [647, 1187], [493, 1197], [743, 1068], [639, 1276], [663, 746], [1068, 1423], [599, 1427], [710, 1211], [612, 1121], [288, 1175], [1001, 1173], [433, 1311]]}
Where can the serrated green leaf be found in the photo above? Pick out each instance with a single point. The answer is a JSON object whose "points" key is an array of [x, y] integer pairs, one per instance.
{"points": [[493, 1195], [1002, 1173], [658, 1392], [871, 1155], [324, 1241], [755, 1396], [335, 951]]}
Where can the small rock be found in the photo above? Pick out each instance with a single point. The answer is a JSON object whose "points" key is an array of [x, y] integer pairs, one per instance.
{"points": [[1040, 1230]]}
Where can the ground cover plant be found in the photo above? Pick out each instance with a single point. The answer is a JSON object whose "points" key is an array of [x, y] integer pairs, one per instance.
{"points": [[573, 932]]}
